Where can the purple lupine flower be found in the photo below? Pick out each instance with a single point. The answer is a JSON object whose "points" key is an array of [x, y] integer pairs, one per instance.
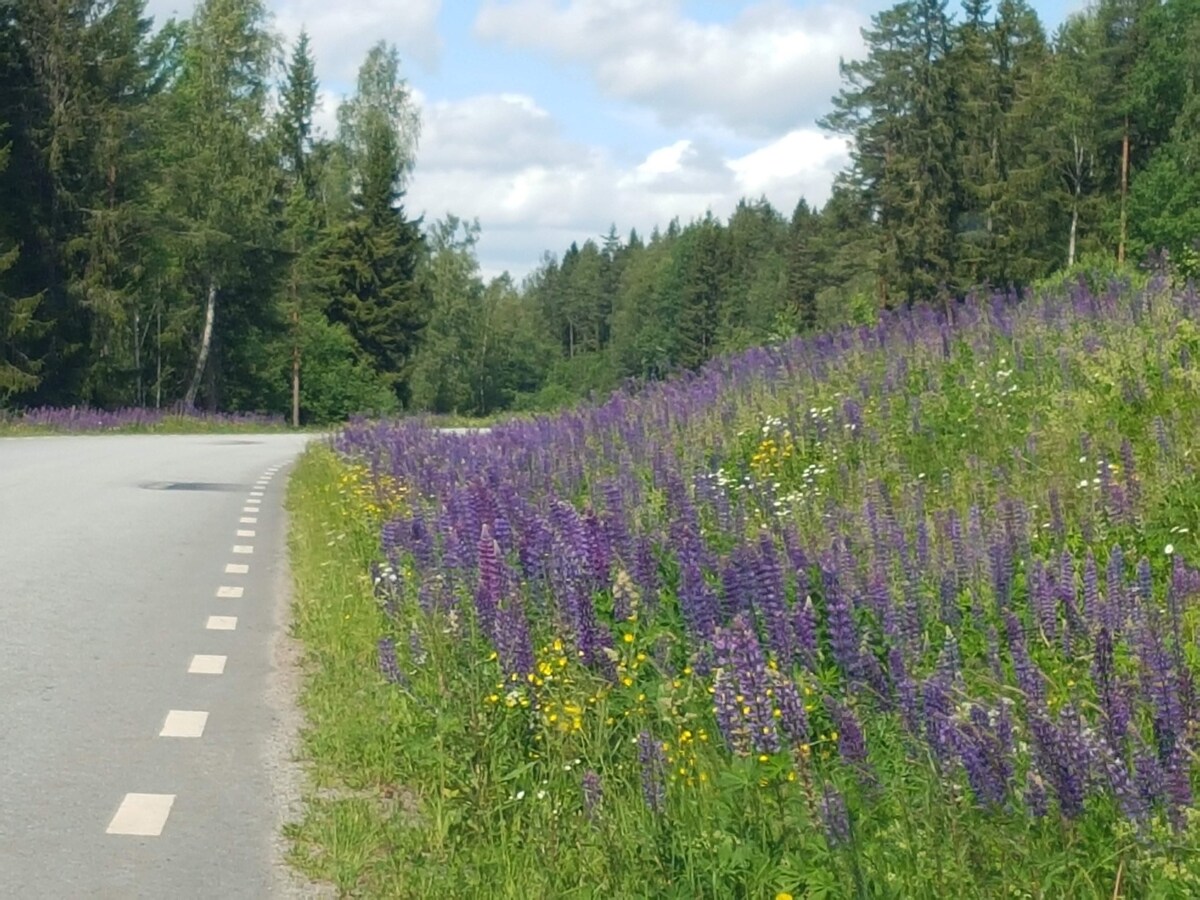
{"points": [[1160, 684], [738, 649], [1029, 677], [1113, 702], [906, 692], [653, 768], [597, 550], [1118, 600], [513, 641], [1114, 771], [984, 757], [1063, 755], [697, 601], [1041, 598], [852, 746], [388, 666], [961, 563], [793, 719], [1035, 794], [645, 570], [1178, 786], [843, 636], [735, 584], [491, 584], [728, 712], [1149, 776], [948, 599], [770, 602], [804, 627], [1002, 571], [835, 817], [937, 707]]}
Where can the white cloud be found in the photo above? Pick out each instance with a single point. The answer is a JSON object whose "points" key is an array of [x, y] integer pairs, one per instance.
{"points": [[502, 158], [768, 71], [341, 33]]}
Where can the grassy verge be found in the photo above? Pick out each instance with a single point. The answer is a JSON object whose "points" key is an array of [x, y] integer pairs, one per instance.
{"points": [[344, 834]]}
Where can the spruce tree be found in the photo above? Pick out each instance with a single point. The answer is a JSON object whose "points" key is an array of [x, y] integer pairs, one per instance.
{"points": [[374, 255]]}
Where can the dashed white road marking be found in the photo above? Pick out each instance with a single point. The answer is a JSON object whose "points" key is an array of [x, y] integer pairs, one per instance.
{"points": [[206, 664], [229, 590], [236, 568], [248, 520], [245, 532], [256, 493], [249, 509], [243, 548], [221, 623], [143, 815], [184, 723], [253, 501]]}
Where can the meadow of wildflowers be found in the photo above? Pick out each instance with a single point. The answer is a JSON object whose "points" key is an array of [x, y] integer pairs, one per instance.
{"points": [[903, 610]]}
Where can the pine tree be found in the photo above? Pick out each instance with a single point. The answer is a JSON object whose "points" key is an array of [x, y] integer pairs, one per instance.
{"points": [[899, 107], [18, 372], [375, 254], [803, 266]]}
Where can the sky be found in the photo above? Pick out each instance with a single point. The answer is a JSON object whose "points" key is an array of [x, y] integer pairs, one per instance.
{"points": [[551, 120]]}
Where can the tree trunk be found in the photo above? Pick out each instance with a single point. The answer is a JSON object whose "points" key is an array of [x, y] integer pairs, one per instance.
{"points": [[210, 310], [296, 368], [1124, 188], [1074, 231], [158, 356]]}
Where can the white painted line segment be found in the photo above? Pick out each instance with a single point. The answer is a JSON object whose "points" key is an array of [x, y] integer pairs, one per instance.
{"points": [[236, 569], [142, 814], [250, 509], [256, 493], [229, 590], [245, 532], [243, 548], [205, 664], [248, 520], [221, 623], [184, 723]]}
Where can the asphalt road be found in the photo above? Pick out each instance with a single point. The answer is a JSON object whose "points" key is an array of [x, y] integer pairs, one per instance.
{"points": [[113, 556]]}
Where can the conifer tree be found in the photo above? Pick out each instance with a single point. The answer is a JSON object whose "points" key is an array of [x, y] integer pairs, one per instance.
{"points": [[375, 254]]}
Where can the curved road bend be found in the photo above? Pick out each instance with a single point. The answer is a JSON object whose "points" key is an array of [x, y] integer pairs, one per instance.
{"points": [[143, 716]]}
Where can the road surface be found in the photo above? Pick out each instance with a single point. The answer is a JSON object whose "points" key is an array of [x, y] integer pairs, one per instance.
{"points": [[145, 710]]}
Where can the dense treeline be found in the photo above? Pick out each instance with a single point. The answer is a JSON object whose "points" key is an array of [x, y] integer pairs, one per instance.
{"points": [[174, 230]]}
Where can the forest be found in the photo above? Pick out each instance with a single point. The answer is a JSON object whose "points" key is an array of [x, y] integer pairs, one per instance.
{"points": [[175, 231]]}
